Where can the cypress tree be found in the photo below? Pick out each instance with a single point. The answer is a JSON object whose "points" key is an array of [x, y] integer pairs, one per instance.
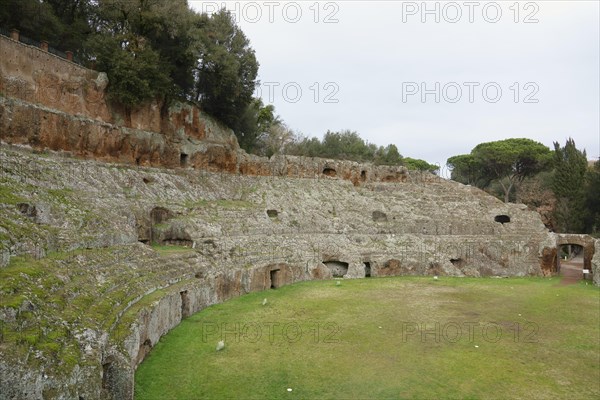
{"points": [[568, 184]]}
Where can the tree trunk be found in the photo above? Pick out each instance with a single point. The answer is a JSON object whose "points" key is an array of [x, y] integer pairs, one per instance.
{"points": [[507, 191]]}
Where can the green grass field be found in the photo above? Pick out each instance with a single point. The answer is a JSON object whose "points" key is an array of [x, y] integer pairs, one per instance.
{"points": [[386, 338]]}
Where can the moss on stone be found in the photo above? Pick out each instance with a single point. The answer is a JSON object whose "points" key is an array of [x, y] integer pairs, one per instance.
{"points": [[8, 196]]}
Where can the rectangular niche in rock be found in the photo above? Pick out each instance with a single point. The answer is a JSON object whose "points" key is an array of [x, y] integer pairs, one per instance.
{"points": [[185, 304], [338, 268], [183, 159], [367, 269], [274, 275]]}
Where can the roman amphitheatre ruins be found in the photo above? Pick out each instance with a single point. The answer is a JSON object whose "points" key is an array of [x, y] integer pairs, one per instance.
{"points": [[86, 190]]}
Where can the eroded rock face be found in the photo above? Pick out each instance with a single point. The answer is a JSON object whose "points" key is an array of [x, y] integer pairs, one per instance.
{"points": [[241, 223], [49, 103], [549, 261], [94, 216], [315, 168]]}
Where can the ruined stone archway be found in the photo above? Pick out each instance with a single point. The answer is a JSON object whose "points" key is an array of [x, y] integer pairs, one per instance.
{"points": [[587, 244]]}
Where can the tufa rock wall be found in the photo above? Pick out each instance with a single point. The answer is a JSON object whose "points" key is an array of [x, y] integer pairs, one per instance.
{"points": [[47, 102], [73, 227], [82, 294], [50, 103]]}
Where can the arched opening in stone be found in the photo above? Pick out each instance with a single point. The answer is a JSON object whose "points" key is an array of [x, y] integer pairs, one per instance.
{"points": [[363, 175], [503, 219], [367, 269], [457, 262], [329, 172], [185, 304], [571, 251], [272, 213], [274, 277], [183, 159], [337, 268], [109, 375], [571, 263]]}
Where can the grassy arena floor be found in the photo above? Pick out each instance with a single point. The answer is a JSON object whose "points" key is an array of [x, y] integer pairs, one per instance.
{"points": [[386, 338]]}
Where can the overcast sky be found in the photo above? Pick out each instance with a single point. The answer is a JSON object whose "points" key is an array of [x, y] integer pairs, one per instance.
{"points": [[498, 70]]}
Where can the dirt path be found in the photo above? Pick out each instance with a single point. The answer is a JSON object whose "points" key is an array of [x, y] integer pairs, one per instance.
{"points": [[571, 271]]}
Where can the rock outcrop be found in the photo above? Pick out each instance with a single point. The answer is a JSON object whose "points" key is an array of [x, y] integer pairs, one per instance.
{"points": [[49, 103], [75, 241], [164, 216]]}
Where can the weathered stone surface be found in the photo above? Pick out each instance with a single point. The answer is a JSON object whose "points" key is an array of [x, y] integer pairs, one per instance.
{"points": [[315, 168], [433, 227], [549, 261], [585, 241], [244, 224], [49, 103]]}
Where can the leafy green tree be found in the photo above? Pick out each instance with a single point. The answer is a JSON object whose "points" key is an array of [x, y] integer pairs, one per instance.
{"points": [[346, 145], [254, 127], [134, 69], [226, 72], [76, 17], [506, 162], [419, 165], [388, 155], [592, 200], [153, 49], [274, 136], [169, 26], [276, 139], [464, 169], [343, 145], [130, 34], [536, 192], [568, 184], [305, 146], [32, 18]]}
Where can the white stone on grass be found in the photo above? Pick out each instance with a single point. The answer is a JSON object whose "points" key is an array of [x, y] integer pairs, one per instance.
{"points": [[220, 345], [264, 302]]}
